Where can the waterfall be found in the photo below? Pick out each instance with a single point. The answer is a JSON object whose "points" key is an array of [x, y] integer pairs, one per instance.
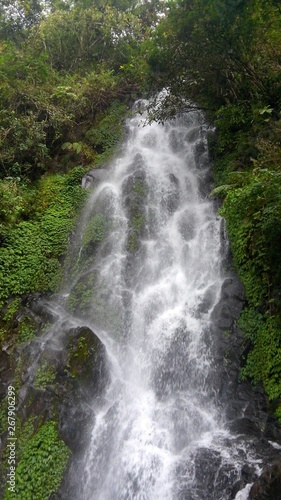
{"points": [[152, 277]]}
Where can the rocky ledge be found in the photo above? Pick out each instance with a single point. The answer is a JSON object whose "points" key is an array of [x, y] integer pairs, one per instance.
{"points": [[247, 408]]}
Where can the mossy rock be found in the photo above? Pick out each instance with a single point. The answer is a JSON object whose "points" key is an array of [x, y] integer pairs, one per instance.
{"points": [[85, 356], [136, 229], [82, 294], [38, 403], [63, 383], [84, 379], [135, 190], [94, 233]]}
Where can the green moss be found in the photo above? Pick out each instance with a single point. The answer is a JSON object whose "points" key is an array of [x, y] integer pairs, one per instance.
{"points": [[140, 189], [82, 295], [81, 356], [133, 242], [78, 356], [41, 466], [45, 375], [27, 330], [95, 230], [137, 221]]}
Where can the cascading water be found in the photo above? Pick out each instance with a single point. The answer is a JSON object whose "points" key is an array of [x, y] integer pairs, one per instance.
{"points": [[152, 279], [159, 405]]}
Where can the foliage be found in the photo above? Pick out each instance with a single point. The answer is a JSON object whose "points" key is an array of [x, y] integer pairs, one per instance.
{"points": [[17, 15], [17, 326], [79, 39], [107, 132], [11, 310], [45, 116], [30, 252], [62, 65], [253, 213], [27, 331], [42, 453], [45, 375], [216, 52], [15, 199], [264, 360]]}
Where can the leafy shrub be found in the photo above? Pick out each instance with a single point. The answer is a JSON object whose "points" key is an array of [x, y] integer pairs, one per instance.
{"points": [[107, 131], [43, 453], [264, 361], [253, 214], [232, 122], [30, 253]]}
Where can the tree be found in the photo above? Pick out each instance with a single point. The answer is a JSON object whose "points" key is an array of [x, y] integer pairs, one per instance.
{"points": [[17, 16], [81, 39], [215, 52]]}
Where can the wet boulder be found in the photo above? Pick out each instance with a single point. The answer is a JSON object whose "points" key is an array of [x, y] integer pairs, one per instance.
{"points": [[230, 304], [64, 383], [93, 177], [268, 485], [171, 200], [86, 360], [80, 385], [41, 311], [134, 190]]}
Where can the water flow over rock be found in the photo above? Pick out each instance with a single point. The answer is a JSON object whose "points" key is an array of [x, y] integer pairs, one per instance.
{"points": [[148, 278]]}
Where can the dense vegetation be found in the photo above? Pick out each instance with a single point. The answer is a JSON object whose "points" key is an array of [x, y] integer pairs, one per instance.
{"points": [[42, 453], [68, 73]]}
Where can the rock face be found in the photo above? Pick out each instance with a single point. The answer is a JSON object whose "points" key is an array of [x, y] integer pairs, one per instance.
{"points": [[5, 372], [268, 485], [81, 378], [65, 383], [61, 376], [92, 177], [247, 407]]}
